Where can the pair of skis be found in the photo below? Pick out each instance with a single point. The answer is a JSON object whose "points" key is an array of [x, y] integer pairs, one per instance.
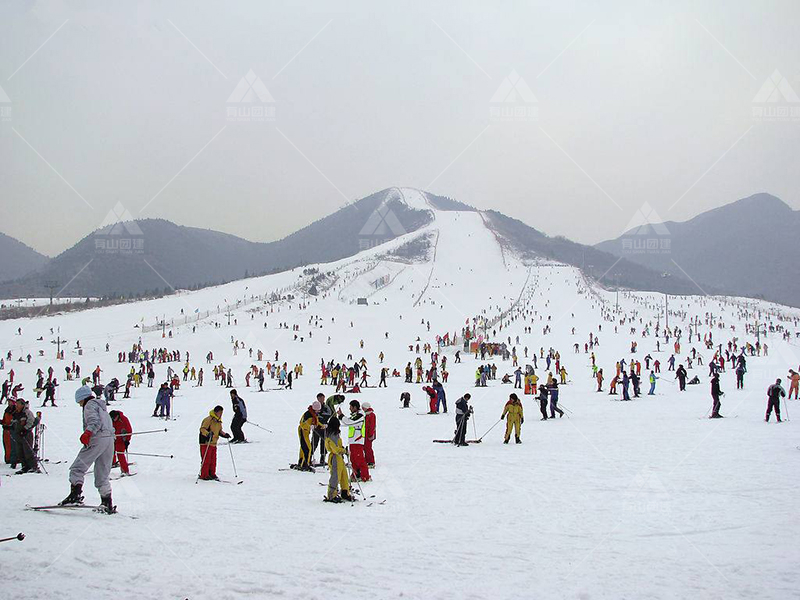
{"points": [[97, 508]]}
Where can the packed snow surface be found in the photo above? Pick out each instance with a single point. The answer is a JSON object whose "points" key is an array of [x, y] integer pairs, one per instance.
{"points": [[640, 499]]}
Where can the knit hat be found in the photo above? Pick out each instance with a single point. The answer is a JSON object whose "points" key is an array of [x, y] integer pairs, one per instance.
{"points": [[316, 405], [83, 393], [366, 405]]}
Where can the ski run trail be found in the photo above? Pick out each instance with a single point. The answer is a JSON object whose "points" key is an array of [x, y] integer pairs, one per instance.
{"points": [[641, 499]]}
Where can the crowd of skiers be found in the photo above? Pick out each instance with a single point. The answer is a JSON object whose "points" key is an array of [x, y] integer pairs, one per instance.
{"points": [[106, 435]]}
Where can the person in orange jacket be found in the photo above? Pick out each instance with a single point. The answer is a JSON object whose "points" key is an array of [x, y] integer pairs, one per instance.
{"points": [[794, 383], [122, 438], [371, 431]]}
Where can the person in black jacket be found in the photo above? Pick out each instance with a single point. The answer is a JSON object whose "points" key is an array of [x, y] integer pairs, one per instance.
{"points": [[716, 394], [463, 411], [239, 418], [681, 375], [543, 401], [324, 415], [774, 394]]}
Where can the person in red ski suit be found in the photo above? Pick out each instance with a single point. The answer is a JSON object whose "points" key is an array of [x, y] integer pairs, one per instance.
{"points": [[433, 398], [122, 438], [371, 430], [356, 432]]}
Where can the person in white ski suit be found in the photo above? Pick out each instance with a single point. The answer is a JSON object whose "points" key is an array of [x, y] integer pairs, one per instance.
{"points": [[98, 449]]}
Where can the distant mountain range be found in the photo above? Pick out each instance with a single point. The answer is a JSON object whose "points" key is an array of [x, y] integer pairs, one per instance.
{"points": [[153, 256], [17, 259], [746, 248]]}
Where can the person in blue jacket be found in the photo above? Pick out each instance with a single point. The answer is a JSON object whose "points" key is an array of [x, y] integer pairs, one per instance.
{"points": [[441, 398], [163, 401]]}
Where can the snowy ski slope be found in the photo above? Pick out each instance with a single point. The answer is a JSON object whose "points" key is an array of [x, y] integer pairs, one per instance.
{"points": [[642, 499]]}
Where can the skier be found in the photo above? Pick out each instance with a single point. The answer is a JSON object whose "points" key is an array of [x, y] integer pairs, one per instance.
{"points": [[716, 394], [163, 401], [339, 482], [740, 370], [122, 439], [652, 384], [552, 391], [543, 402], [308, 421], [370, 434], [318, 433], [24, 424], [433, 399], [357, 429], [210, 432], [774, 394], [9, 450], [463, 411], [98, 450], [441, 398], [239, 418], [794, 378], [405, 398], [513, 414], [681, 376]]}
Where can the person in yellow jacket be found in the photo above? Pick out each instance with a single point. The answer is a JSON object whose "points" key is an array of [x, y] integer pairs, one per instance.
{"points": [[210, 432], [512, 413], [308, 421], [339, 479]]}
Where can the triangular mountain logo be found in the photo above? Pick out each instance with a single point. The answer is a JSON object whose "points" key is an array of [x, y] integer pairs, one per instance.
{"points": [[249, 90], [382, 223], [4, 99], [119, 221], [646, 221], [513, 90], [776, 89]]}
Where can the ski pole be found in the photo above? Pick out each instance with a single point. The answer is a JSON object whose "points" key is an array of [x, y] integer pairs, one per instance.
{"points": [[490, 428], [143, 432], [156, 455], [358, 483], [19, 536], [36, 457], [259, 426], [230, 448], [202, 463]]}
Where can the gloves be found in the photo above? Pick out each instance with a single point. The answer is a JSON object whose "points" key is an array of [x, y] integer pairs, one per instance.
{"points": [[225, 435], [86, 436], [127, 444], [521, 421]]}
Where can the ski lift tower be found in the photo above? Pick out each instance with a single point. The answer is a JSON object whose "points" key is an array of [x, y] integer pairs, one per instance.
{"points": [[51, 285]]}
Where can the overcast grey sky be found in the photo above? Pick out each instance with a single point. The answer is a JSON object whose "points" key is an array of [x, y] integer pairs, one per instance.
{"points": [[634, 102]]}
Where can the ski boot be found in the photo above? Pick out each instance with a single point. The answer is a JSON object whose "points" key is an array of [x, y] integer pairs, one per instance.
{"points": [[346, 496], [519, 441], [74, 497], [106, 505]]}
